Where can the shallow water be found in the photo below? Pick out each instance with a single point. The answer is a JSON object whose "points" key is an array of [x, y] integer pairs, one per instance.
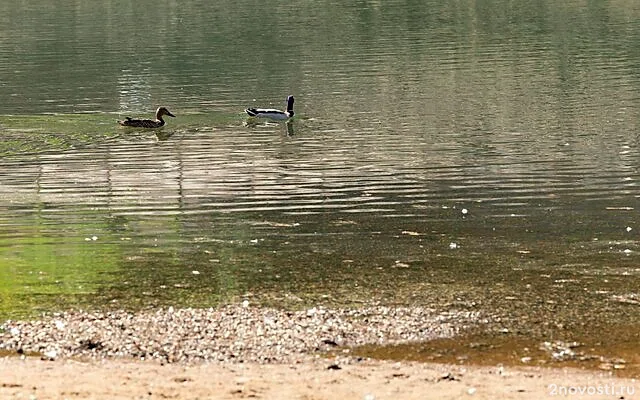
{"points": [[457, 155]]}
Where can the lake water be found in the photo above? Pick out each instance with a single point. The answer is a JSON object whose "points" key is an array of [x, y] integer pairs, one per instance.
{"points": [[458, 154]]}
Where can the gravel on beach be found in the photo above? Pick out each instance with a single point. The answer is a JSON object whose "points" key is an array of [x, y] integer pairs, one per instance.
{"points": [[232, 333]]}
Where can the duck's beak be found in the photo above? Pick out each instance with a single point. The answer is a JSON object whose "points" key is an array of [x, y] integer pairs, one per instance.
{"points": [[169, 114]]}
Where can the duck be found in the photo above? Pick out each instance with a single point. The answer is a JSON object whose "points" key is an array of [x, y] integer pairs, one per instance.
{"points": [[272, 113], [148, 123]]}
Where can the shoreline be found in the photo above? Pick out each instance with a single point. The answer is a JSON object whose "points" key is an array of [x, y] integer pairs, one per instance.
{"points": [[238, 351], [231, 333]]}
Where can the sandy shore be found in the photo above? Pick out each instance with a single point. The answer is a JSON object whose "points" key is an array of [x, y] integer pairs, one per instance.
{"points": [[32, 378], [236, 351]]}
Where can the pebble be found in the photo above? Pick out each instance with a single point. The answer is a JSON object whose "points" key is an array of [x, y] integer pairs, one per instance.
{"points": [[231, 333]]}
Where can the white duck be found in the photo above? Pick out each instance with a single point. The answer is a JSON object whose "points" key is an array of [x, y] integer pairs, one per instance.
{"points": [[272, 113]]}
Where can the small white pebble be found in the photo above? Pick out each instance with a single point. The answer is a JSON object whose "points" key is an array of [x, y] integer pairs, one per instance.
{"points": [[629, 229], [242, 380], [51, 354], [60, 325], [245, 303], [369, 396], [195, 272], [627, 251], [14, 331], [453, 245], [471, 391], [465, 211], [94, 237]]}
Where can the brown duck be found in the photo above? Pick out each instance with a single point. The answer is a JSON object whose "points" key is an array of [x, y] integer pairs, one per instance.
{"points": [[148, 123]]}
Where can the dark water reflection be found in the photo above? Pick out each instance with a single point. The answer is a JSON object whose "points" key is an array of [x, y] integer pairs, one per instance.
{"points": [[457, 155]]}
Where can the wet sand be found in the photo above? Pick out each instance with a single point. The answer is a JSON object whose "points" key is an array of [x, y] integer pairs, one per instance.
{"points": [[24, 378]]}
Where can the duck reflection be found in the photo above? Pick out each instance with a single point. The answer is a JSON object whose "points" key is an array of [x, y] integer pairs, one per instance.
{"points": [[290, 130], [163, 135], [289, 125]]}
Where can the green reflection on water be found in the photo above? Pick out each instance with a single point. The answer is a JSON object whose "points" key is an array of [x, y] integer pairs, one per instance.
{"points": [[50, 132], [43, 273]]}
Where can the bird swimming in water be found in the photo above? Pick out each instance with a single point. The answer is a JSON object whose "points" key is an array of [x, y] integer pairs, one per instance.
{"points": [[272, 113], [148, 123]]}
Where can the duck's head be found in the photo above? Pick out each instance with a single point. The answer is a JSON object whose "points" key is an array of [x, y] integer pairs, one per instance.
{"points": [[163, 111], [290, 103]]}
